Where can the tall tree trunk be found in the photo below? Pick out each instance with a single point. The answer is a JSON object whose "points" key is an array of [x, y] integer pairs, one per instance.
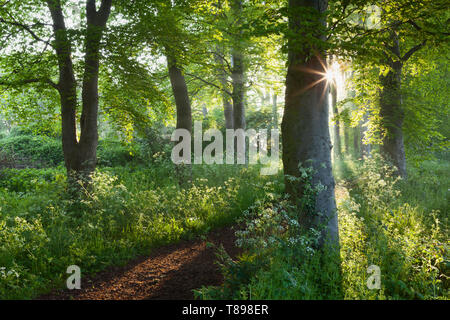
{"points": [[227, 106], [238, 92], [274, 111], [336, 127], [184, 113], [347, 139], [265, 98], [96, 22], [391, 111], [305, 130], [228, 111], [356, 141], [180, 92], [80, 156], [67, 88], [223, 76], [365, 148], [237, 74]]}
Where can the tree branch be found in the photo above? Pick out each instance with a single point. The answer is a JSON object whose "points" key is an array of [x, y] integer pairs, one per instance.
{"points": [[223, 61], [209, 83], [91, 11], [418, 28], [413, 50], [100, 16], [105, 10], [26, 28], [29, 81]]}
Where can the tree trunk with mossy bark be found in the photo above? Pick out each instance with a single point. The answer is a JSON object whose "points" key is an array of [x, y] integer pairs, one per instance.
{"points": [[356, 141], [305, 131], [347, 138], [274, 111]]}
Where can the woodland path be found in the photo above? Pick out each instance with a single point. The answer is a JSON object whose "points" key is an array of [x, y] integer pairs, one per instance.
{"points": [[170, 272]]}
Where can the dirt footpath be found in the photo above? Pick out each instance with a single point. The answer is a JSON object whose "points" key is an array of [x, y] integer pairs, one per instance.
{"points": [[170, 272]]}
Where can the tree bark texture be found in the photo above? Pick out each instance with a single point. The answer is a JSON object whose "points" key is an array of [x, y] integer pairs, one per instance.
{"points": [[336, 127], [237, 74], [80, 155], [181, 95], [305, 131], [391, 111]]}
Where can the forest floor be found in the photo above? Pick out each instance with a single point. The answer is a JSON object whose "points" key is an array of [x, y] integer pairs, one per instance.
{"points": [[170, 272]]}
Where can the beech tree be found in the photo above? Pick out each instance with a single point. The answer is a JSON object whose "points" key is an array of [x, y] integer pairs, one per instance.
{"points": [[181, 95], [337, 126], [58, 46], [305, 132], [237, 74], [160, 26], [399, 31], [222, 67]]}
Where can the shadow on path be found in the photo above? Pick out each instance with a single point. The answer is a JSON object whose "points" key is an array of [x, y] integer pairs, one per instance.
{"points": [[170, 272]]}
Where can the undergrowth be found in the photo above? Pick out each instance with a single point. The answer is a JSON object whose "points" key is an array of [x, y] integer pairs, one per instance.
{"points": [[127, 212], [399, 226]]}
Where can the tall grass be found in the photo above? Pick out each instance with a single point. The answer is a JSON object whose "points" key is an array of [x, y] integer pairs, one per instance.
{"points": [[401, 226], [397, 225], [129, 211]]}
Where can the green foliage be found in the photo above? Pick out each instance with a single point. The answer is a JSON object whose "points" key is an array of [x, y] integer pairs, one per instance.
{"points": [[383, 221], [36, 109], [30, 180], [23, 148], [128, 211], [113, 153], [380, 226], [281, 259], [261, 119], [427, 108], [135, 201], [34, 149]]}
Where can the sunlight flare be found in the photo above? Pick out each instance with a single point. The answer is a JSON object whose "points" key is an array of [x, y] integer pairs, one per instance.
{"points": [[331, 75]]}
